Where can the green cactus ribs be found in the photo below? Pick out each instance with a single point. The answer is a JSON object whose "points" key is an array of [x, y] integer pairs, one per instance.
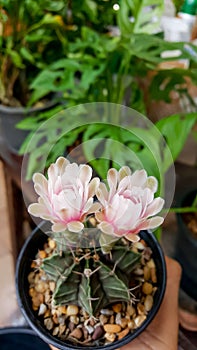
{"points": [[90, 277]]}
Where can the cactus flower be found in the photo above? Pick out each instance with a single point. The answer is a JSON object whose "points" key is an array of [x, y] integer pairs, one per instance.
{"points": [[66, 198], [128, 206]]}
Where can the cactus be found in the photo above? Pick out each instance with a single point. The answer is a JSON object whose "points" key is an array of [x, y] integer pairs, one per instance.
{"points": [[90, 279]]}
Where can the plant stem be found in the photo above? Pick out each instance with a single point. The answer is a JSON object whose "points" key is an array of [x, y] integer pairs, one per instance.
{"points": [[180, 210]]}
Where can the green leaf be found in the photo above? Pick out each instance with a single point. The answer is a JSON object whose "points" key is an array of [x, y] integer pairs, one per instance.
{"points": [[56, 265], [126, 260], [16, 58], [84, 295], [176, 129], [143, 12], [27, 55], [66, 291], [114, 287]]}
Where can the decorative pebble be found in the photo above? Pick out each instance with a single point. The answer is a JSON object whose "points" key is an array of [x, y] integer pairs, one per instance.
{"points": [[148, 302], [106, 312], [112, 328], [103, 319], [153, 275], [123, 333], [76, 333], [130, 310], [131, 324], [151, 263], [110, 337], [56, 331], [41, 287], [140, 309], [123, 322], [72, 310], [139, 320], [146, 273], [42, 254], [118, 318], [147, 288], [42, 309], [74, 319], [48, 323], [97, 333], [117, 307], [90, 329]]}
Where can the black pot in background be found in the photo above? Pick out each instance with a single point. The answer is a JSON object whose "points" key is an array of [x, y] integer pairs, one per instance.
{"points": [[20, 339], [35, 241], [11, 116], [186, 250]]}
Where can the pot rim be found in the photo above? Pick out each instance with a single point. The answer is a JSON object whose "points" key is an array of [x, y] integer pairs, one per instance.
{"points": [[50, 339], [23, 110]]}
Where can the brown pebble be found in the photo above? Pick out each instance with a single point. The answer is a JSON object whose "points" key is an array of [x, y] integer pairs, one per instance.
{"points": [[131, 324], [62, 310], [76, 333], [148, 302], [52, 244], [123, 322], [117, 307], [72, 310], [71, 326], [74, 319], [153, 275], [62, 329], [103, 319], [41, 287], [92, 322], [139, 320], [85, 333], [47, 313], [112, 328], [110, 337], [123, 333], [36, 301], [140, 309], [98, 333], [42, 254], [48, 323], [146, 273], [147, 288], [31, 277], [130, 310], [55, 319], [33, 265], [112, 319], [52, 286], [151, 263], [32, 292], [55, 331]]}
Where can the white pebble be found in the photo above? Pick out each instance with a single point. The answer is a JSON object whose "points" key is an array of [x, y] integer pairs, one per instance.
{"points": [[42, 309], [106, 312]]}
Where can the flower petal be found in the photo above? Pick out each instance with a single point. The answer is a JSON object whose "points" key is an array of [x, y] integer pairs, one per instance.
{"points": [[75, 226], [106, 227], [154, 207]]}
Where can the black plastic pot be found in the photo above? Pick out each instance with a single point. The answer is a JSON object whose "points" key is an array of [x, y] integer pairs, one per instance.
{"points": [[20, 339], [27, 254], [186, 250], [10, 117]]}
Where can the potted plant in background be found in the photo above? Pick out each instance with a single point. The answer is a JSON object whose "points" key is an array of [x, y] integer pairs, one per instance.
{"points": [[99, 66], [30, 40], [99, 278]]}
